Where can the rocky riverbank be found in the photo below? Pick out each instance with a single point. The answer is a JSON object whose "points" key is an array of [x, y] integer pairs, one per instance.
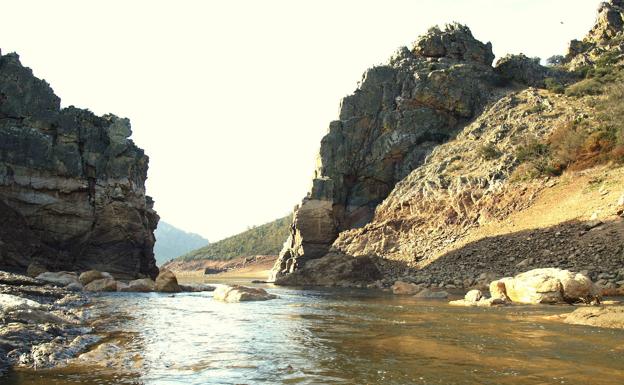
{"points": [[42, 325], [48, 321]]}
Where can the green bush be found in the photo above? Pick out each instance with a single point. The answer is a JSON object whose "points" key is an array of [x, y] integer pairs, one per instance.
{"points": [[584, 88], [489, 151], [554, 85]]}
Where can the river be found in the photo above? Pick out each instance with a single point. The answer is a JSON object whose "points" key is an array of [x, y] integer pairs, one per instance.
{"points": [[337, 337]]}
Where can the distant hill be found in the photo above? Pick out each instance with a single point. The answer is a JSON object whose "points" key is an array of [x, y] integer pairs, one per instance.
{"points": [[266, 239], [172, 242]]}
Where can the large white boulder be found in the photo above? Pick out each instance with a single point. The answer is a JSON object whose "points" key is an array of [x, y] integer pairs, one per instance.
{"points": [[237, 293], [547, 285]]}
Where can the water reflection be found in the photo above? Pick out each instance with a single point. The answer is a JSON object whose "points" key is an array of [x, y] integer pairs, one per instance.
{"points": [[341, 337]]}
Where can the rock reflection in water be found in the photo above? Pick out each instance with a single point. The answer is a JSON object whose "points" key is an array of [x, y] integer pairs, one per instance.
{"points": [[336, 337]]}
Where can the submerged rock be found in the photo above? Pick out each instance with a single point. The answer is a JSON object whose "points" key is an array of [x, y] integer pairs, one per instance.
{"points": [[547, 285], [238, 293], [604, 317], [405, 288], [430, 294], [167, 282], [197, 287]]}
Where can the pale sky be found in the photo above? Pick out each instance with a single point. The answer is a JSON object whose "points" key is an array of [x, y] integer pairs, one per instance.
{"points": [[231, 98]]}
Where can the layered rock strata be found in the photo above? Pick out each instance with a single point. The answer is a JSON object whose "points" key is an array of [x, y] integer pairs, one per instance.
{"points": [[72, 184]]}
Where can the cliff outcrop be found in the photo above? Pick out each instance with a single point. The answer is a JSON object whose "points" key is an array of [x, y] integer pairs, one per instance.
{"points": [[452, 206], [402, 110], [72, 184]]}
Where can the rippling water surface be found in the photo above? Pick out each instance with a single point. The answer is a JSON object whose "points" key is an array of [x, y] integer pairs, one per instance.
{"points": [[340, 337]]}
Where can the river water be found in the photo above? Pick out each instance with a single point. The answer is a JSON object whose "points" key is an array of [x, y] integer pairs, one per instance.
{"points": [[338, 337]]}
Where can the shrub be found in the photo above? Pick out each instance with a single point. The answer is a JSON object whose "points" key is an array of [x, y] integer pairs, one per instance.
{"points": [[584, 88], [489, 151], [531, 149], [554, 85]]}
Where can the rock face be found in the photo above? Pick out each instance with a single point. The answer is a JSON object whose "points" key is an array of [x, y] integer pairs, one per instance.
{"points": [[398, 114], [72, 184], [238, 293], [546, 286], [606, 35]]}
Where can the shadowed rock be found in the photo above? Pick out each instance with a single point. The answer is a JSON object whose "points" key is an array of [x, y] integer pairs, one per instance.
{"points": [[72, 184]]}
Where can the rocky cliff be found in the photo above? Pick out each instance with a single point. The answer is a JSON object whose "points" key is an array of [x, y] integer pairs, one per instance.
{"points": [[398, 114], [431, 148], [72, 184]]}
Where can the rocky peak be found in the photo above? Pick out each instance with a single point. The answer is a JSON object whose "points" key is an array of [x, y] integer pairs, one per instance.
{"points": [[454, 42], [606, 35]]}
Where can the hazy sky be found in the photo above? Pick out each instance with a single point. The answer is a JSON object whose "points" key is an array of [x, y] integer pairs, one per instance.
{"points": [[231, 98]]}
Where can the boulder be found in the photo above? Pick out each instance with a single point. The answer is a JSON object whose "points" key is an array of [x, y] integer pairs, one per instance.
{"points": [[104, 284], [167, 282], [334, 269], [547, 285], [75, 286], [430, 294], [91, 275], [476, 298], [35, 268], [197, 287], [143, 285], [237, 293], [121, 286], [483, 302], [473, 296], [10, 302], [59, 278], [405, 288]]}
